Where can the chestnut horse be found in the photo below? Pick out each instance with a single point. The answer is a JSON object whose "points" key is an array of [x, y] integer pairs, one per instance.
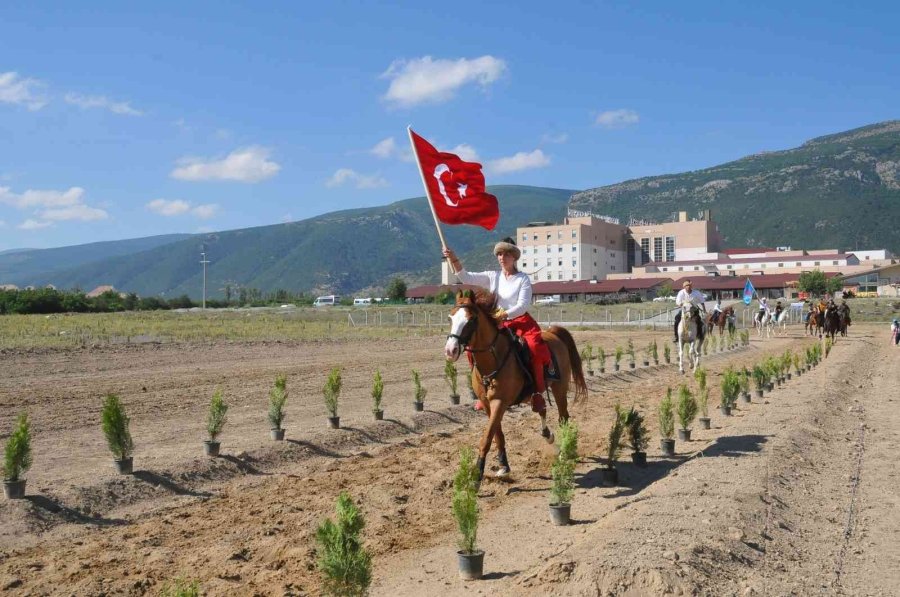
{"points": [[725, 316], [497, 378]]}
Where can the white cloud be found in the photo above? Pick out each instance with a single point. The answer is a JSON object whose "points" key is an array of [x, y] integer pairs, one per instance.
{"points": [[36, 198], [384, 148], [205, 211], [177, 207], [617, 119], [520, 161], [81, 212], [30, 224], [87, 102], [344, 176], [166, 207], [555, 139], [249, 164], [466, 152], [287, 218], [425, 79], [23, 92]]}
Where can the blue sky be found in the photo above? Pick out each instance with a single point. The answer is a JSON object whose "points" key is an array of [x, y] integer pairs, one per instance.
{"points": [[120, 121]]}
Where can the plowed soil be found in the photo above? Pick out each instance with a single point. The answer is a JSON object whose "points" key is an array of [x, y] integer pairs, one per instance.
{"points": [[793, 494]]}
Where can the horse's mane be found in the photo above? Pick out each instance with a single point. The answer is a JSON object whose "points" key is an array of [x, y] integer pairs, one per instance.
{"points": [[486, 300]]}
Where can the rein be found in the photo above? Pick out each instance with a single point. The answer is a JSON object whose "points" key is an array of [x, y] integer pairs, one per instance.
{"points": [[501, 362]]}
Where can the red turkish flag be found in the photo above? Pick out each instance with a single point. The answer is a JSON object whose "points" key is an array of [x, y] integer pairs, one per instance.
{"points": [[455, 187]]}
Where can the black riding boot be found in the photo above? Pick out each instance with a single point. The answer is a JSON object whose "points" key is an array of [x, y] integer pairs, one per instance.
{"points": [[677, 321]]}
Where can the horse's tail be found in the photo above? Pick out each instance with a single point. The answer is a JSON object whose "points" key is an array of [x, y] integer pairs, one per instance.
{"points": [[563, 334]]}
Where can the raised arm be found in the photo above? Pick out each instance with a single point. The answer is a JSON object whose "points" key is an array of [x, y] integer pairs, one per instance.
{"points": [[482, 279]]}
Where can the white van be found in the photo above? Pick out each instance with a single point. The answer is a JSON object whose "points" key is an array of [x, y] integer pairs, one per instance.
{"points": [[362, 302], [553, 299], [327, 301]]}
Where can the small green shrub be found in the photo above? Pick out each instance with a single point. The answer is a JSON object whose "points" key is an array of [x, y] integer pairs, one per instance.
{"points": [[700, 375], [796, 362], [731, 387], [614, 441], [703, 402], [563, 471], [667, 353], [601, 356], [343, 560], [618, 355], [377, 391], [465, 500], [636, 428], [420, 391], [332, 391], [654, 352], [630, 351], [277, 398], [451, 376], [760, 378], [217, 415], [667, 416], [115, 427], [17, 455], [687, 407], [745, 381], [181, 587]]}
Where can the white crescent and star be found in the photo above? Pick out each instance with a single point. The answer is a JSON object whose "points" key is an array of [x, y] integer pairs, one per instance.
{"points": [[439, 171]]}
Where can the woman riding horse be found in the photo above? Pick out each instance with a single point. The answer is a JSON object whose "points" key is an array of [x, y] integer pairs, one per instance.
{"points": [[513, 291]]}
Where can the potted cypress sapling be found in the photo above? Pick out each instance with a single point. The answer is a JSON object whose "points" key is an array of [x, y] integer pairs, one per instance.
{"points": [[343, 560], [731, 340], [618, 357], [703, 396], [609, 476], [828, 345], [647, 355], [759, 380], [601, 356], [654, 352], [216, 418], [630, 351], [667, 353], [638, 437], [706, 346], [787, 359], [17, 459], [277, 397], [586, 356], [115, 427], [331, 391], [667, 424], [563, 474], [465, 511], [795, 361], [731, 387], [451, 377], [744, 380], [377, 391], [419, 392], [687, 412]]}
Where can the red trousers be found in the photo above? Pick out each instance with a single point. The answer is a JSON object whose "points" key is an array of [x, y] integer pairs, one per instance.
{"points": [[526, 327]]}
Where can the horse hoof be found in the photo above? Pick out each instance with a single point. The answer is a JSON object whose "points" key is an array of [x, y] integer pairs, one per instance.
{"points": [[547, 435], [502, 473]]}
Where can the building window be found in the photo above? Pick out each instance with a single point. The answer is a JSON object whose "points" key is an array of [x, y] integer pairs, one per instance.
{"points": [[549, 261], [595, 264], [535, 237], [613, 254], [729, 267], [670, 248], [630, 247], [613, 268], [665, 269], [834, 263], [524, 236], [595, 250], [560, 250], [574, 234], [559, 234], [574, 276], [658, 248], [560, 262], [645, 250], [574, 249], [763, 266], [548, 236], [549, 276], [816, 263], [574, 262], [559, 276], [780, 265], [524, 264], [797, 264], [681, 269]]}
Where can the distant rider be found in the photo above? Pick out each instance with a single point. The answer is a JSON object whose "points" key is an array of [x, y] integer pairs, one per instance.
{"points": [[763, 308], [689, 296], [717, 310]]}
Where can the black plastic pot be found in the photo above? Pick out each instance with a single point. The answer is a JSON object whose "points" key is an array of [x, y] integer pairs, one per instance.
{"points": [[602, 370], [334, 422], [745, 396], [454, 398], [759, 393], [771, 386], [616, 367], [14, 490], [725, 410], [277, 434], [667, 446], [560, 514], [789, 376], [631, 365], [646, 363], [639, 459], [418, 406], [211, 448], [704, 422], [379, 414], [471, 565], [124, 466], [684, 435], [609, 477], [590, 372]]}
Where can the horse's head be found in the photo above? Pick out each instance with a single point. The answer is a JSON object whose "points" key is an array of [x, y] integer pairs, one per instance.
{"points": [[470, 308]]}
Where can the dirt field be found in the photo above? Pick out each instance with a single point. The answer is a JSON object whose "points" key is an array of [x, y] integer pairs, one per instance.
{"points": [[795, 495]]}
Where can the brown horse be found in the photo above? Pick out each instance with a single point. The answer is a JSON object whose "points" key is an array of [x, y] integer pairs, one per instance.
{"points": [[497, 378], [726, 316], [814, 323]]}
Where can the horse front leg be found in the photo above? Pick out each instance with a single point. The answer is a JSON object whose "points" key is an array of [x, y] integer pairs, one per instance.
{"points": [[495, 414], [681, 356]]}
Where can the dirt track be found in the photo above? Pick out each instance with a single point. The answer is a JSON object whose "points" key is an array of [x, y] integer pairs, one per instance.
{"points": [[793, 496]]}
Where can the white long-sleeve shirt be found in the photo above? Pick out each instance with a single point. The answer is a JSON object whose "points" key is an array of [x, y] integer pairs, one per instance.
{"points": [[695, 297], [513, 293]]}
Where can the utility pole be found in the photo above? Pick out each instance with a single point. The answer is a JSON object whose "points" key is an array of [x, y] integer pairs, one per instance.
{"points": [[204, 261]]}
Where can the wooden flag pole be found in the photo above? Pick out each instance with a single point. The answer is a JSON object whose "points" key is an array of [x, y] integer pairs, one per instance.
{"points": [[437, 223]]}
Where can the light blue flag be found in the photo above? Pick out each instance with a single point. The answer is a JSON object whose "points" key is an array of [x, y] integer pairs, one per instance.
{"points": [[748, 292]]}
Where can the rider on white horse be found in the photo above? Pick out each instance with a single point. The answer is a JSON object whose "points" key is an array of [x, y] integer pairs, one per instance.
{"points": [[694, 298], [763, 309]]}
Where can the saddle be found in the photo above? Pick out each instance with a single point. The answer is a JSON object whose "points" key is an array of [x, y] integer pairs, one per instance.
{"points": [[523, 358]]}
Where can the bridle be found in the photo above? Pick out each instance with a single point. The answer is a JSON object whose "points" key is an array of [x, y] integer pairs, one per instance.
{"points": [[465, 336]]}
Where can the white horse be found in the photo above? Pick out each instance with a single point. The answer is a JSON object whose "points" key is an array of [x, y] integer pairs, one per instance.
{"points": [[782, 320], [687, 334], [766, 321]]}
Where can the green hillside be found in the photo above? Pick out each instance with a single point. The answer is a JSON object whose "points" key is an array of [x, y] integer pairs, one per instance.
{"points": [[25, 266], [840, 191], [338, 252]]}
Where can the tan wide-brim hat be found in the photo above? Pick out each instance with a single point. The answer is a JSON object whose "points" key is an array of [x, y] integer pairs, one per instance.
{"points": [[505, 247], [687, 283]]}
